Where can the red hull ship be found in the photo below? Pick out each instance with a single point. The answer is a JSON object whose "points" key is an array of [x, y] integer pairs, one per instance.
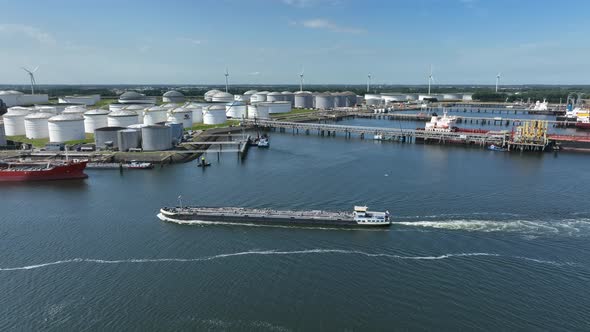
{"points": [[32, 171]]}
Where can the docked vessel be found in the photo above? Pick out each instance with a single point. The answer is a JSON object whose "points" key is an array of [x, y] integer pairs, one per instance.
{"points": [[360, 216], [42, 171], [441, 124]]}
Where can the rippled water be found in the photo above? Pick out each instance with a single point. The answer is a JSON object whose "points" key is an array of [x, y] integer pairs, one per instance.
{"points": [[482, 240]]}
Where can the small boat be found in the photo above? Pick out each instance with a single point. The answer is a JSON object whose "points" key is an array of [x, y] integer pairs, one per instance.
{"points": [[134, 164], [263, 142], [207, 164], [496, 148]]}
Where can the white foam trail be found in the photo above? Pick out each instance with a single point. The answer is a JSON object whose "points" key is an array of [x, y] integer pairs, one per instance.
{"points": [[274, 252]]}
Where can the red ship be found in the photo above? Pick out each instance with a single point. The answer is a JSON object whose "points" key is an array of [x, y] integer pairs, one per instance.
{"points": [[37, 171]]}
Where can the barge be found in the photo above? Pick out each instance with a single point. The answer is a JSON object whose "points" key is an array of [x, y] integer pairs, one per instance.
{"points": [[360, 216]]}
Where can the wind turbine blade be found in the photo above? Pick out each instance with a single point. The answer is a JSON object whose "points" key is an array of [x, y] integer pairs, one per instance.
{"points": [[34, 70], [25, 69]]}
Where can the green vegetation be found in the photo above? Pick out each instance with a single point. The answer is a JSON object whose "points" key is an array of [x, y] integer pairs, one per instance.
{"points": [[104, 103], [222, 125], [40, 142]]}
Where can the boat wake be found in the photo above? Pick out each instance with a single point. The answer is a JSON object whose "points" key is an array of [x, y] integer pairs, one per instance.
{"points": [[567, 227], [279, 252]]}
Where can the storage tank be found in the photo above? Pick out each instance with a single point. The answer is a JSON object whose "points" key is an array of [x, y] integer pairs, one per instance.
{"points": [[182, 115], [66, 127], [14, 121], [2, 134], [122, 118], [278, 107], [197, 112], [288, 96], [258, 97], [117, 107], [209, 94], [106, 134], [214, 115], [36, 125], [94, 119], [222, 97], [250, 92], [176, 130], [235, 110], [128, 139], [78, 109], [339, 99], [47, 109], [173, 97], [303, 100], [274, 96], [139, 109], [324, 101], [156, 138], [154, 115], [258, 111], [350, 99]]}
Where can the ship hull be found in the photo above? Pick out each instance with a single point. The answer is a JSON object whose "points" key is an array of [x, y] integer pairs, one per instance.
{"points": [[196, 218], [73, 171]]}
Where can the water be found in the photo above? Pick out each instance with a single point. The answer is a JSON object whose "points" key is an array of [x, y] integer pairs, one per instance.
{"points": [[483, 240]]}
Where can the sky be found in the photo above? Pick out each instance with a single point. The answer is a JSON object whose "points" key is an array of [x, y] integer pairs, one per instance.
{"points": [[272, 41]]}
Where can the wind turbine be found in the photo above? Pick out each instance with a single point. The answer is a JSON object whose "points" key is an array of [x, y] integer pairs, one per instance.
{"points": [[301, 79], [430, 79], [498, 81], [369, 83], [32, 76], [226, 79]]}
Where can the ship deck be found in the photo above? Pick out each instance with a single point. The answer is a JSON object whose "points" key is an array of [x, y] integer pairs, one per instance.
{"points": [[262, 213]]}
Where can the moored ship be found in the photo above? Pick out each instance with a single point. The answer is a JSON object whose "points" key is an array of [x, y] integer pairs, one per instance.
{"points": [[15, 171], [360, 216]]}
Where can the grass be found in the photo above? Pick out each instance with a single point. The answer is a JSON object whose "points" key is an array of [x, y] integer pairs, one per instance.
{"points": [[40, 142], [222, 125], [103, 103]]}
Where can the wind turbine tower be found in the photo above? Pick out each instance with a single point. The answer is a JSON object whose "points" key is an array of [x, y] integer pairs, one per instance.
{"points": [[32, 77], [226, 79], [369, 83], [301, 79], [430, 79], [498, 81]]}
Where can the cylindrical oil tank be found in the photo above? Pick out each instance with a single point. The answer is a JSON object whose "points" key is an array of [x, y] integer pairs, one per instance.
{"points": [[156, 138], [154, 115], [47, 109], [78, 109], [105, 135], [36, 125], [289, 96], [339, 99], [214, 115], [2, 134], [258, 111], [139, 109], [235, 110], [128, 139], [278, 107], [94, 119], [183, 116], [117, 107], [122, 118], [274, 96], [373, 99], [14, 121], [176, 130], [303, 100], [250, 92], [222, 97], [411, 96], [169, 106], [258, 97], [197, 113], [209, 94], [324, 101], [66, 127], [350, 99]]}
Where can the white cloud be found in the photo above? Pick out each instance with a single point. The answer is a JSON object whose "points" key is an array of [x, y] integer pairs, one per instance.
{"points": [[310, 3], [320, 23], [254, 73], [191, 41], [41, 37]]}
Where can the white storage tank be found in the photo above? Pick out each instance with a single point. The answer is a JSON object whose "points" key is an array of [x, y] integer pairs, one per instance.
{"points": [[197, 113], [222, 97], [324, 101], [154, 115], [66, 127], [139, 109], [78, 109], [156, 138], [236, 110], [94, 119], [258, 97], [173, 97], [47, 109], [350, 99], [303, 100], [242, 98], [278, 107], [183, 116], [209, 94], [122, 118], [339, 99], [128, 139], [117, 107], [274, 96], [14, 121], [36, 125], [214, 115], [105, 135], [2, 134], [258, 111]]}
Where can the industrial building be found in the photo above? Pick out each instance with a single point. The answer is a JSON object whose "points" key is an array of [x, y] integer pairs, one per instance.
{"points": [[173, 97], [17, 98]]}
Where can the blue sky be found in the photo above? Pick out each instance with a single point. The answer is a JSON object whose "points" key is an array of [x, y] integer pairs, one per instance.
{"points": [[268, 41]]}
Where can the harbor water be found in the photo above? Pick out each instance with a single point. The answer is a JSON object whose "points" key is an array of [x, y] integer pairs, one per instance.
{"points": [[482, 240]]}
